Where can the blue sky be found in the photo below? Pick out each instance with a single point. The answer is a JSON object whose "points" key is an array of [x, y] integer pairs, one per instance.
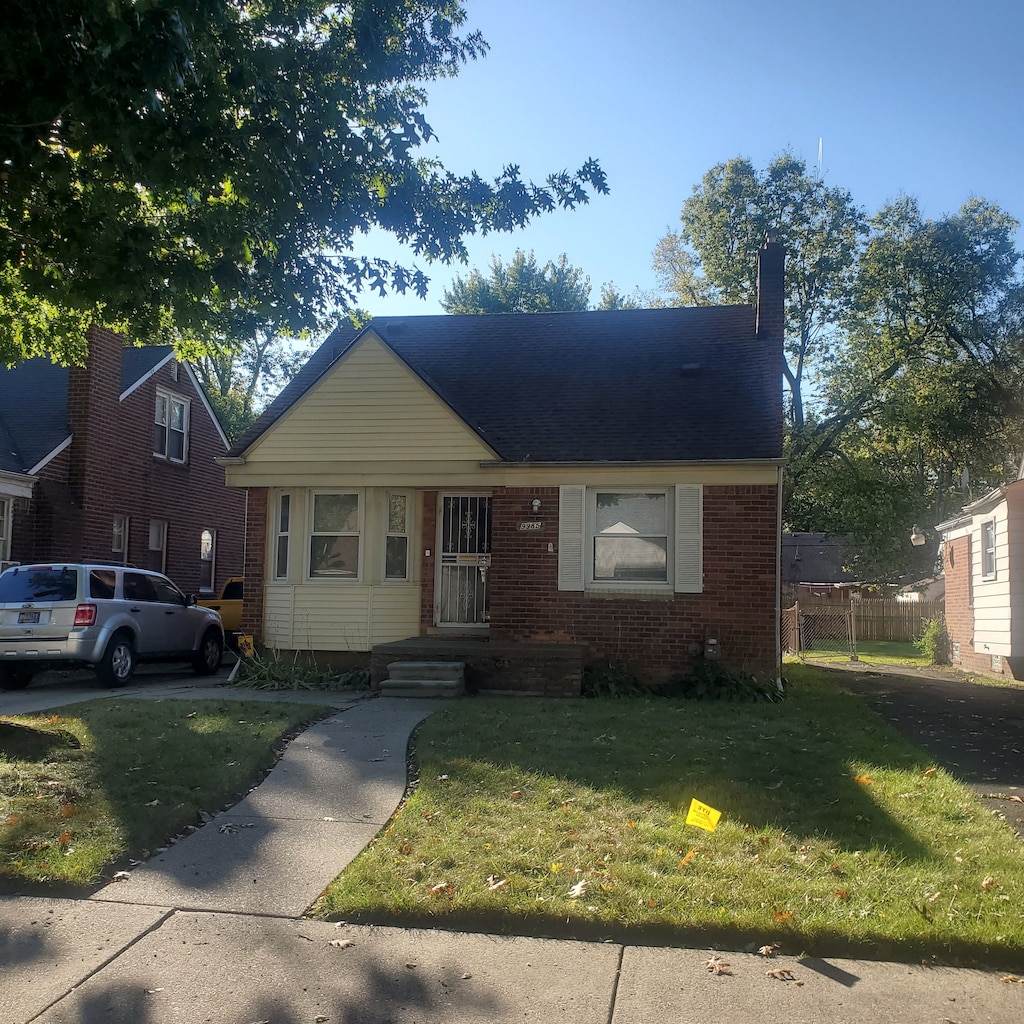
{"points": [[909, 96]]}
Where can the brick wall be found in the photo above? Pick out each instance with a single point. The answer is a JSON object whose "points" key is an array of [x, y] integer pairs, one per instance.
{"points": [[959, 606], [427, 565], [654, 634], [110, 470], [256, 541]]}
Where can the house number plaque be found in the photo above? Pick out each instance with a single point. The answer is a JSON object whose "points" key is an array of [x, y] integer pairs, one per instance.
{"points": [[531, 525]]}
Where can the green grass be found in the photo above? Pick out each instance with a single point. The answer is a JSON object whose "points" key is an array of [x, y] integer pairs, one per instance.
{"points": [[82, 791], [836, 835], [871, 652]]}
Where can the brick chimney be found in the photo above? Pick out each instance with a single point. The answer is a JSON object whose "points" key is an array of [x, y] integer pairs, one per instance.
{"points": [[94, 393], [771, 291], [770, 318]]}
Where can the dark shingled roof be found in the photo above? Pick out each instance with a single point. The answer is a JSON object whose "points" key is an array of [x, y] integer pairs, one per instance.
{"points": [[686, 384], [816, 558], [34, 404]]}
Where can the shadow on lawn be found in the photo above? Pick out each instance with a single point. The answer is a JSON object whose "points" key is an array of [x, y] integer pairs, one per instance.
{"points": [[792, 766]]}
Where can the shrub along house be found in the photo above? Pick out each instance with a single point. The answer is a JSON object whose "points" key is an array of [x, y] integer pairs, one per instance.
{"points": [[114, 461], [526, 492]]}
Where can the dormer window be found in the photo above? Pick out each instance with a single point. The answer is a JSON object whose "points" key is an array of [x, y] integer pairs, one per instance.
{"points": [[170, 436]]}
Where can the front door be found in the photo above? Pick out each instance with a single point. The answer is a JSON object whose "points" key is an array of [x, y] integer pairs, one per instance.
{"points": [[464, 543]]}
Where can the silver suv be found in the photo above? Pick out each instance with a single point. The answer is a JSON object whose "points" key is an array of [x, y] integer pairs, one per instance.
{"points": [[104, 617]]}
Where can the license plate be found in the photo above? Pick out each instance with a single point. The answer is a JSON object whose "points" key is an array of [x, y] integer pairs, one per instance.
{"points": [[31, 617]]}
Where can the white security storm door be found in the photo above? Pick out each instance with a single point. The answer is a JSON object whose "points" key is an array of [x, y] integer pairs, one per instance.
{"points": [[464, 544]]}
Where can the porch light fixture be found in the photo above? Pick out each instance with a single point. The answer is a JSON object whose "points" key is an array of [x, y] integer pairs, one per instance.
{"points": [[536, 505], [917, 538]]}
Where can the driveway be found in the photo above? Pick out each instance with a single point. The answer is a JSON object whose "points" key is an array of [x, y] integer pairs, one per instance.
{"points": [[975, 731]]}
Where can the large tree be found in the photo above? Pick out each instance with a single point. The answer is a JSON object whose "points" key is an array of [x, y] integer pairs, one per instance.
{"points": [[521, 286], [904, 347], [923, 405], [712, 258], [203, 168]]}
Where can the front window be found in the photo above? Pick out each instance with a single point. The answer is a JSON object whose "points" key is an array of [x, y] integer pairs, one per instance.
{"points": [[119, 539], [396, 545], [334, 538], [629, 536], [170, 437], [988, 549], [284, 519], [157, 545], [5, 529], [207, 549]]}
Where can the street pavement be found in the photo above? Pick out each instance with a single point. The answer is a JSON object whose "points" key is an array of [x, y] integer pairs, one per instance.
{"points": [[212, 930]]}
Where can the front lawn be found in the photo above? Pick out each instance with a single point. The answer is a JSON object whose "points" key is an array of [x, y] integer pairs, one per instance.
{"points": [[567, 817], [83, 790]]}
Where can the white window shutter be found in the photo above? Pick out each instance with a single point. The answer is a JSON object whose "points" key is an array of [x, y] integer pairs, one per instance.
{"points": [[689, 561], [570, 537]]}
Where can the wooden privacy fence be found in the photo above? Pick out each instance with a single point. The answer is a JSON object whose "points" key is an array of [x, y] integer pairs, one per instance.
{"points": [[888, 619], [838, 626]]}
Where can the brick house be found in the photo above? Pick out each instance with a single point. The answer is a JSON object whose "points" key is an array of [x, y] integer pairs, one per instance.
{"points": [[526, 489], [114, 460], [983, 556]]}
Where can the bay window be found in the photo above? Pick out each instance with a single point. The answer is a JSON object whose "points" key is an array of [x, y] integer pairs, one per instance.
{"points": [[335, 537]]}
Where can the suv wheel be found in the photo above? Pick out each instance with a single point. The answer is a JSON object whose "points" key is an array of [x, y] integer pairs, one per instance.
{"points": [[206, 660], [15, 677], [117, 665]]}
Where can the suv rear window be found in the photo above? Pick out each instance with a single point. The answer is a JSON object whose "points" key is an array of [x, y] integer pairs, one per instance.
{"points": [[101, 583], [25, 586]]}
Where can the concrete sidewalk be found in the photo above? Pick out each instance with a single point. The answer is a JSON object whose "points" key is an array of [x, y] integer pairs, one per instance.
{"points": [[211, 930]]}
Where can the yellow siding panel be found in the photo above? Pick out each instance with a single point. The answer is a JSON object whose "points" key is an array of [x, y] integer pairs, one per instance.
{"points": [[331, 618], [368, 407], [396, 613], [277, 617]]}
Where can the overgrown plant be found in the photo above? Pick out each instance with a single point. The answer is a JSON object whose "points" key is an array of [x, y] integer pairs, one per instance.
{"points": [[710, 680], [934, 642], [273, 670], [613, 679]]}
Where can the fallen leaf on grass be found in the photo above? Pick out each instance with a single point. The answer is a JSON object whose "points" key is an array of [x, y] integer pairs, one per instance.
{"points": [[341, 943], [493, 882], [769, 950], [781, 974], [153, 803], [516, 794], [1012, 979], [782, 915], [929, 771], [64, 838], [68, 811], [864, 780], [686, 860], [716, 965], [988, 883], [12, 819], [441, 887]]}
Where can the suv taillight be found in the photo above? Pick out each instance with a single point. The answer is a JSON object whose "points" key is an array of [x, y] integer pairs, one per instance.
{"points": [[85, 615]]}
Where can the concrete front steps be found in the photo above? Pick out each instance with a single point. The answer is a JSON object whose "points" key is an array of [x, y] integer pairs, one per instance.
{"points": [[424, 679]]}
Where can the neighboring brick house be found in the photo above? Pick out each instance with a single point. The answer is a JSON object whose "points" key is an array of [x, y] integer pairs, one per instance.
{"points": [[983, 555], [114, 460], [607, 482]]}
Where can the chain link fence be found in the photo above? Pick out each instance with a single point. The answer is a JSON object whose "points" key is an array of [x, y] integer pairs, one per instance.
{"points": [[822, 629]]}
